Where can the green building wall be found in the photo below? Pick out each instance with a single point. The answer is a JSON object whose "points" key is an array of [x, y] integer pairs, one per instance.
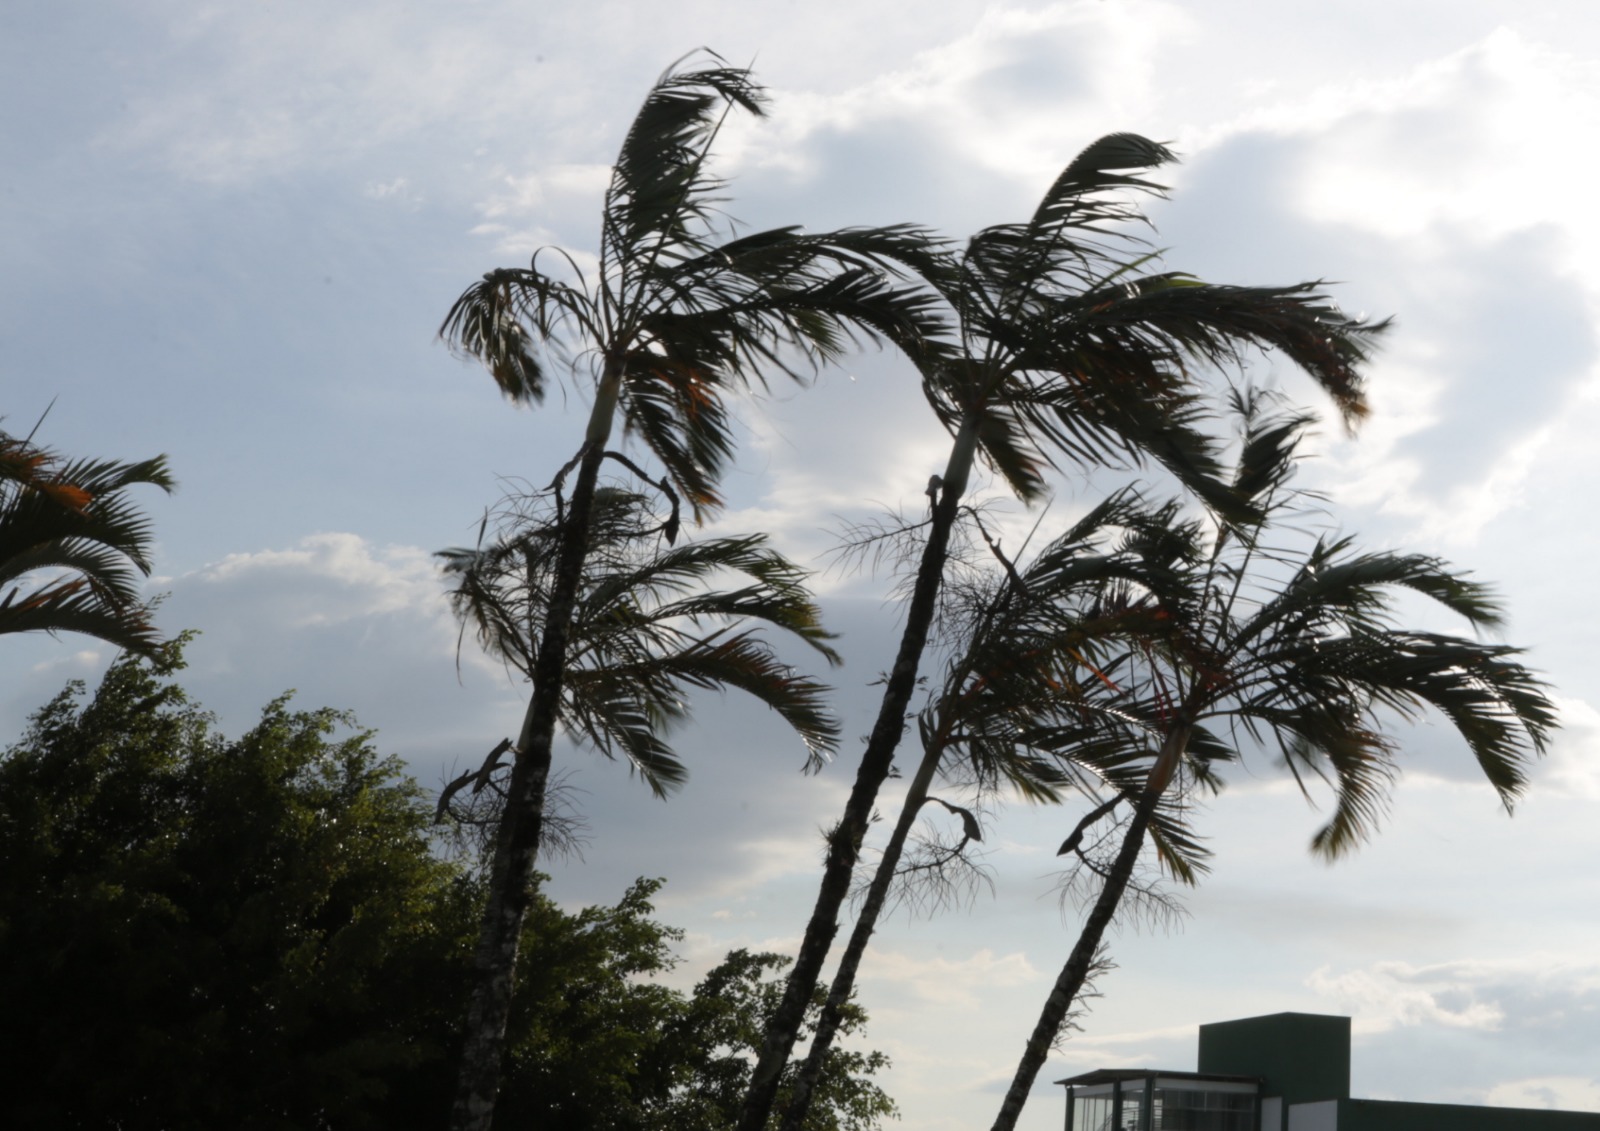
{"points": [[1303, 1057], [1392, 1115]]}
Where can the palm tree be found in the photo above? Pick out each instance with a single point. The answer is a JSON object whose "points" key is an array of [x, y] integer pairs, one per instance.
{"points": [[1301, 651], [674, 317], [1029, 646], [73, 517], [1068, 356]]}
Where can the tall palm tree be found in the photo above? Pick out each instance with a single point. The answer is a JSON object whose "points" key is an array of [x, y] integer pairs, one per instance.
{"points": [[1028, 647], [675, 316], [1299, 650], [73, 521], [1070, 354]]}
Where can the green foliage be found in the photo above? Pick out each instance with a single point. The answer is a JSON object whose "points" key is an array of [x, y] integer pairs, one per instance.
{"points": [[595, 1043], [200, 933]]}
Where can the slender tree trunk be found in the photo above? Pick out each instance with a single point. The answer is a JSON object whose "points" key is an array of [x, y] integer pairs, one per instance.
{"points": [[1073, 975], [844, 839], [522, 822], [844, 980]]}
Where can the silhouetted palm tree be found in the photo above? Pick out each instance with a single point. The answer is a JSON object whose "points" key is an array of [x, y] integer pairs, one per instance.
{"points": [[673, 318], [1069, 357], [1027, 644], [71, 521], [1299, 650]]}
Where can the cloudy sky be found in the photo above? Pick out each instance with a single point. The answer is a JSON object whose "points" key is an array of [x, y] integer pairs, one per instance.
{"points": [[230, 231]]}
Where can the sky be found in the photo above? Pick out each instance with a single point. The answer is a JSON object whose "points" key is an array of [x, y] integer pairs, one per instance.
{"points": [[229, 233]]}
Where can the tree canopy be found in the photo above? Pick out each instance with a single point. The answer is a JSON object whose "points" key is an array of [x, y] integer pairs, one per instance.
{"points": [[263, 933]]}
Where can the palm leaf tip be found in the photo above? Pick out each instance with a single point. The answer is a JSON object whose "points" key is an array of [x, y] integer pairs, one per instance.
{"points": [[483, 324]]}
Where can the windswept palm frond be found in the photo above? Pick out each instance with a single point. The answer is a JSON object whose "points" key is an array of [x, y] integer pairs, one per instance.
{"points": [[1076, 354], [680, 313], [649, 628]]}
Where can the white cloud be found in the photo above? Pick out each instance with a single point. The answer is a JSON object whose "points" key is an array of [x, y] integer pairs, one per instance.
{"points": [[1565, 1093], [398, 191], [1519, 995], [1388, 995], [1573, 765], [76, 663], [350, 625], [940, 980]]}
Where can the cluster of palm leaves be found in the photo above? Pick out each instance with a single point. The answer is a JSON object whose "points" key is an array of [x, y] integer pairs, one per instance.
{"points": [[1126, 657], [648, 627], [73, 546]]}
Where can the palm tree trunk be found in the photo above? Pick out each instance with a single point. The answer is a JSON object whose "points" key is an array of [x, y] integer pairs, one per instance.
{"points": [[844, 979], [522, 822], [1076, 971], [844, 839]]}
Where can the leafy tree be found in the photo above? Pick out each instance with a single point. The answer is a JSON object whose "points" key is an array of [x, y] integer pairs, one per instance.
{"points": [[1297, 648], [675, 316], [70, 521], [596, 1044], [197, 932], [1070, 355]]}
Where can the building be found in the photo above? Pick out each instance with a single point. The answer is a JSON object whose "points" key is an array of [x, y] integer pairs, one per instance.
{"points": [[1283, 1072]]}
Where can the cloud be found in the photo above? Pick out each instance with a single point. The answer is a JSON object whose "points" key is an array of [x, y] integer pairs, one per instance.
{"points": [[1543, 999], [908, 982], [1393, 993], [1573, 767], [1514, 1032], [348, 624], [965, 133], [1413, 189], [1565, 1093]]}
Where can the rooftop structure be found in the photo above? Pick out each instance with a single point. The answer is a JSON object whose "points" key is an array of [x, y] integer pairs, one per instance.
{"points": [[1282, 1072]]}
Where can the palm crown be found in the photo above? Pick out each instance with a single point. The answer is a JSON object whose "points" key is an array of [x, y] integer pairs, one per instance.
{"points": [[1071, 351], [1250, 643], [73, 521], [677, 313], [642, 635]]}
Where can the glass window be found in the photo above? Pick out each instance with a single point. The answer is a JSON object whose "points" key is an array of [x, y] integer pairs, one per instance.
{"points": [[1185, 1109], [1092, 1113], [1132, 1108], [1132, 1105]]}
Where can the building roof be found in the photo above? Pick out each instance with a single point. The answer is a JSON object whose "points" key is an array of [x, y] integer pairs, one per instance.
{"points": [[1114, 1075]]}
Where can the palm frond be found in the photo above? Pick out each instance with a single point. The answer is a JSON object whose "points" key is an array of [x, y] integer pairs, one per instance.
{"points": [[639, 645], [1214, 323], [72, 605], [72, 522], [659, 187]]}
